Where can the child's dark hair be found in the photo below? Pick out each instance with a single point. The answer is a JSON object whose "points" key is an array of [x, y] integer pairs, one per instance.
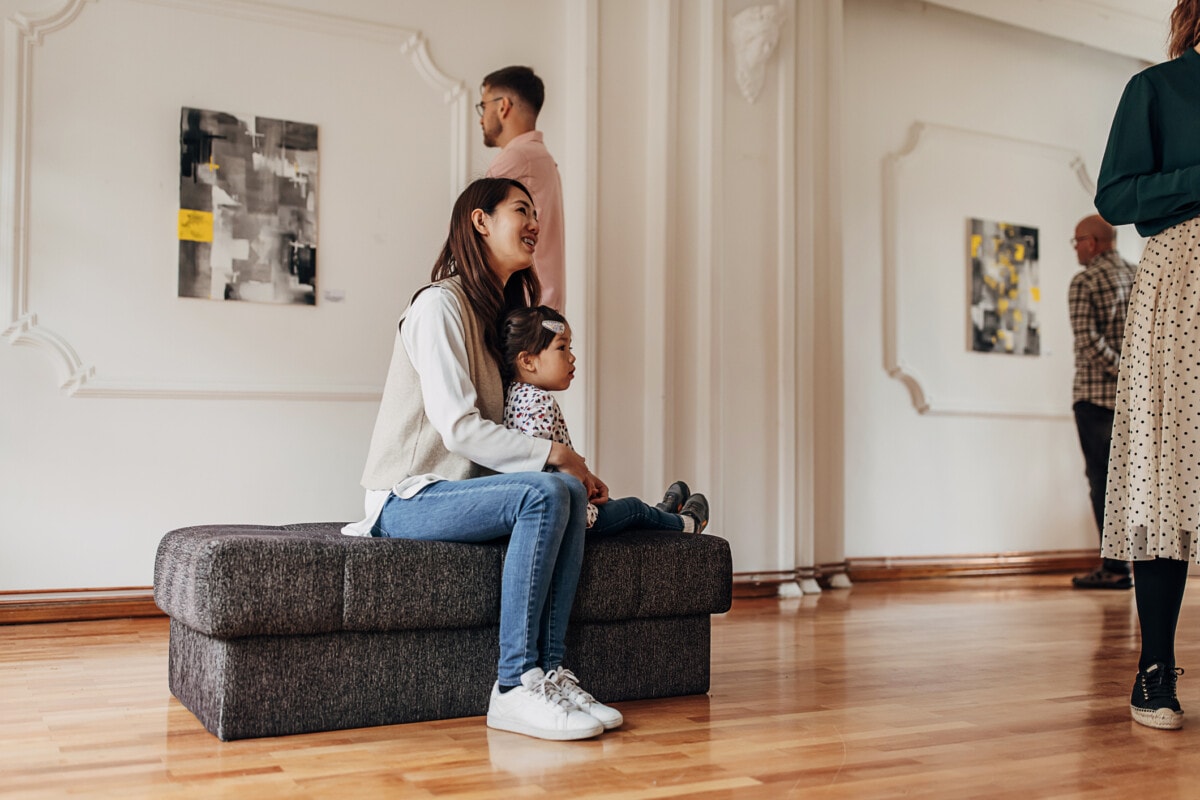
{"points": [[523, 332]]}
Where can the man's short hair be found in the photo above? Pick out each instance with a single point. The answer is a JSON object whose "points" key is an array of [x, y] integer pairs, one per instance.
{"points": [[522, 82]]}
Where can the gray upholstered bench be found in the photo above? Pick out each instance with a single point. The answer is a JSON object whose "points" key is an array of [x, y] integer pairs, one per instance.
{"points": [[293, 629]]}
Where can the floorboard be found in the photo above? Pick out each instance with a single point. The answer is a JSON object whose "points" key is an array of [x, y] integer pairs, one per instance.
{"points": [[1008, 687]]}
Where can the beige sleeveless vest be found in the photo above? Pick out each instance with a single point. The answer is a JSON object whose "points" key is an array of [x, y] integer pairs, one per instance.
{"points": [[404, 442]]}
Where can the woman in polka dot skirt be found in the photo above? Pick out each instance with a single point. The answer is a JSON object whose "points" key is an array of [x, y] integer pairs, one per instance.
{"points": [[1150, 176]]}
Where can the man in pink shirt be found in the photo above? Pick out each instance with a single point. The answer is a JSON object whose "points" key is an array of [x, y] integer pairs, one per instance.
{"points": [[509, 102]]}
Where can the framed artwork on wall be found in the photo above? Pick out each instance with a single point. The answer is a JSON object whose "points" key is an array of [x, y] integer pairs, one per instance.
{"points": [[247, 208], [1005, 292]]}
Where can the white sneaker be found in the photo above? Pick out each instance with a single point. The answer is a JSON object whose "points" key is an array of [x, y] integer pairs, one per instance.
{"points": [[568, 684], [537, 708]]}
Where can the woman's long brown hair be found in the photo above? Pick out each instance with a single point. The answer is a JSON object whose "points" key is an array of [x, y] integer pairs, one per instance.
{"points": [[464, 254], [1185, 28]]}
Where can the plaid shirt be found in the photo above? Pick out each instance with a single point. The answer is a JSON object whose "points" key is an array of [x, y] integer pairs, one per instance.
{"points": [[1098, 299]]}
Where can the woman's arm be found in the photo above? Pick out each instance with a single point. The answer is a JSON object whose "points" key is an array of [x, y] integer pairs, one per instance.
{"points": [[432, 335], [1132, 186]]}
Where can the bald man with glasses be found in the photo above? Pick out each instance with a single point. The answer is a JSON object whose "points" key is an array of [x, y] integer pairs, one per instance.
{"points": [[1098, 299], [510, 100]]}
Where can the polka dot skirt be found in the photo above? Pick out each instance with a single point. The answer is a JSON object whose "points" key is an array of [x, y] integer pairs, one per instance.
{"points": [[1152, 503]]}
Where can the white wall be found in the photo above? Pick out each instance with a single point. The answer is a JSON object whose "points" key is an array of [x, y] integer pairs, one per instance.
{"points": [[964, 481], [734, 328], [697, 274], [780, 404], [188, 411]]}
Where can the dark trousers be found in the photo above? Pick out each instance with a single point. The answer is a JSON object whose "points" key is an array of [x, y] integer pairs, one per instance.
{"points": [[1094, 424]]}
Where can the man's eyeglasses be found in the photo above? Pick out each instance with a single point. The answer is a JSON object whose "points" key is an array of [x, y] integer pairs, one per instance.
{"points": [[479, 106], [1074, 240]]}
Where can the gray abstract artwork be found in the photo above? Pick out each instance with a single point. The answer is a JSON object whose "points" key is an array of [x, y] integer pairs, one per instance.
{"points": [[1005, 290], [247, 208]]}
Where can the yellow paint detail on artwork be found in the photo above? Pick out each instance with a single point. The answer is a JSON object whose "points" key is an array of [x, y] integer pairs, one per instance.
{"points": [[1017, 315], [1035, 294], [1019, 253], [1002, 305], [976, 243], [195, 226]]}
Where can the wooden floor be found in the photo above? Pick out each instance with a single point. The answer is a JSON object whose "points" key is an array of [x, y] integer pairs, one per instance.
{"points": [[1013, 687]]}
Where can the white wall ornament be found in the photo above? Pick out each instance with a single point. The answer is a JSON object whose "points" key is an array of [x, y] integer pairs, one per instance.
{"points": [[932, 186], [755, 35], [28, 278]]}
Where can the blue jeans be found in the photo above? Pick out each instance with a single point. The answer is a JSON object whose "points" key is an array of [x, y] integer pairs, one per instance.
{"points": [[545, 513], [629, 512]]}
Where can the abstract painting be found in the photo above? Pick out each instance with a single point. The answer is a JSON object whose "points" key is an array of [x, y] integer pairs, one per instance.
{"points": [[1004, 288], [247, 208]]}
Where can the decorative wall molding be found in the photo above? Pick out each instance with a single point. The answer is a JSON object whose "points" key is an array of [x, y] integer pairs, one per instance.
{"points": [[662, 56], [821, 31], [76, 605], [794, 542], [791, 281], [581, 206], [410, 42], [754, 36], [792, 368], [806, 579], [709, 355], [835, 575], [970, 566], [215, 391], [901, 363], [23, 35]]}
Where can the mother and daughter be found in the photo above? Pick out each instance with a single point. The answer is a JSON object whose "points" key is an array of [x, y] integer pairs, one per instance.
{"points": [[442, 465]]}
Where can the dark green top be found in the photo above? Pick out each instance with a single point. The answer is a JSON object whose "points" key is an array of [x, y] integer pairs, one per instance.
{"points": [[1151, 169]]}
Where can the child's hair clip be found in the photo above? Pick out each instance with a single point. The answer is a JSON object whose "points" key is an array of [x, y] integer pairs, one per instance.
{"points": [[554, 325]]}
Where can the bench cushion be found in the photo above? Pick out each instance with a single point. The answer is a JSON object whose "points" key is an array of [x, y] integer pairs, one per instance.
{"points": [[245, 580]]}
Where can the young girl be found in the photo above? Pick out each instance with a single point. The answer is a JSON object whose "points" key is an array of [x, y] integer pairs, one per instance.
{"points": [[537, 361]]}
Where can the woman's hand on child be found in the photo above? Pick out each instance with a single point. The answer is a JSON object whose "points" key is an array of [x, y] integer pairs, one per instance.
{"points": [[599, 496], [564, 459]]}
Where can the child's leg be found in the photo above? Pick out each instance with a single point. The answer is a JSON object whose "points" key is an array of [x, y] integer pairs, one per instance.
{"points": [[629, 513]]}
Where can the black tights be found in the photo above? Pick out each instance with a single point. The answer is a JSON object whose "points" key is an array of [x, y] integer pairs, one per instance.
{"points": [[1159, 586]]}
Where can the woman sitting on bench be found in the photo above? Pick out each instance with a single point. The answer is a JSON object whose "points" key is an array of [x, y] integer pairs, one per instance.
{"points": [[442, 466]]}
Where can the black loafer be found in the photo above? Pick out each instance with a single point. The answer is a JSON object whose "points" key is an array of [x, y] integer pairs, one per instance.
{"points": [[1103, 579], [677, 494], [696, 507]]}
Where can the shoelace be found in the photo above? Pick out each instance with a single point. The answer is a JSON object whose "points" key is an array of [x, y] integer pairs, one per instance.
{"points": [[568, 684], [1160, 684], [549, 692]]}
